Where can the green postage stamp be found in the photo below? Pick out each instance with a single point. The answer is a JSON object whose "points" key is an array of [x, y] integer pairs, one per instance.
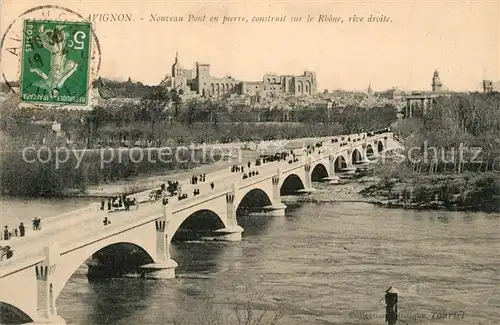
{"points": [[55, 62]]}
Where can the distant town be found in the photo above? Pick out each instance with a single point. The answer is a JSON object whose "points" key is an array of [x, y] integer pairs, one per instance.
{"points": [[287, 93]]}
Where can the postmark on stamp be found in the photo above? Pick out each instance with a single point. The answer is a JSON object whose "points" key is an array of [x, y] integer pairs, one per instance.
{"points": [[55, 62], [49, 56]]}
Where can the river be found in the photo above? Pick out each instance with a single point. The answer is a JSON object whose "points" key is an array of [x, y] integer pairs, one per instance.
{"points": [[324, 263]]}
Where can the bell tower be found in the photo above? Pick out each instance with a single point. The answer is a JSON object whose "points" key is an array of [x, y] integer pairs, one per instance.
{"points": [[176, 67], [436, 82]]}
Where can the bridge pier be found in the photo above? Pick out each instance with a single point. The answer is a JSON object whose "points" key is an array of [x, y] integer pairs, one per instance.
{"points": [[277, 208], [164, 266], [47, 311], [332, 178], [159, 270], [308, 188], [232, 232]]}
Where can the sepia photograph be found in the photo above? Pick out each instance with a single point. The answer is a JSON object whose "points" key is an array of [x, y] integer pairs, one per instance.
{"points": [[247, 162]]}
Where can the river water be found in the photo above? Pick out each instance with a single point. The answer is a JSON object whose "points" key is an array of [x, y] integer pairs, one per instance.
{"points": [[324, 263]]}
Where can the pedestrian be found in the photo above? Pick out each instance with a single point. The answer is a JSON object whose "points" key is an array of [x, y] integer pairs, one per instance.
{"points": [[391, 305], [6, 233], [109, 204], [102, 204], [212, 185], [15, 232], [21, 229], [106, 221]]}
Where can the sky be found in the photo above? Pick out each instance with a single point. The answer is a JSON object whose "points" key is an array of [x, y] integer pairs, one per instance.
{"points": [[461, 39]]}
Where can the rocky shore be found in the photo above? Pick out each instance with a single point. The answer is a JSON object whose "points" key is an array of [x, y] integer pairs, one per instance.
{"points": [[359, 190]]}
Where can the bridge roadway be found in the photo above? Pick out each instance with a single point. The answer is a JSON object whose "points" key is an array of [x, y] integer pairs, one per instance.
{"points": [[29, 249]]}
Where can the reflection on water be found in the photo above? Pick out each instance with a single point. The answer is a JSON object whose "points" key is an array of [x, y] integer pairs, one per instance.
{"points": [[323, 262]]}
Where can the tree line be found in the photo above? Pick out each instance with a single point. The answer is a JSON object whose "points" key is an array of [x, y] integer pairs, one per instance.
{"points": [[451, 155], [160, 118]]}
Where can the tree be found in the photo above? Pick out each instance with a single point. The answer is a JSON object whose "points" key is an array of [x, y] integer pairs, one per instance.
{"points": [[153, 106]]}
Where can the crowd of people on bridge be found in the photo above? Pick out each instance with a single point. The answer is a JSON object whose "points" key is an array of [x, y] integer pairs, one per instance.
{"points": [[195, 179], [118, 202], [20, 231], [174, 188]]}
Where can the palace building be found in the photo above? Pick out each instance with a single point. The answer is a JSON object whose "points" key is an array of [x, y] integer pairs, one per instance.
{"points": [[201, 82]]}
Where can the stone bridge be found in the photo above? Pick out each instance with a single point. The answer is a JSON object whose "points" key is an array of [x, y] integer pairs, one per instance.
{"points": [[138, 241]]}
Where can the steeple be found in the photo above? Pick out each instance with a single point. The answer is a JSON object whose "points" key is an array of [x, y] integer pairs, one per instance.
{"points": [[370, 87], [176, 57]]}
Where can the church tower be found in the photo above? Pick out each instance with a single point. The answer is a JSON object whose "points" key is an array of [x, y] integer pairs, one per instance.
{"points": [[370, 88], [436, 82]]}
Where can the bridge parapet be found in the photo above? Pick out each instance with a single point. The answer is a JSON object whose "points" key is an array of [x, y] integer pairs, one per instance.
{"points": [[71, 218]]}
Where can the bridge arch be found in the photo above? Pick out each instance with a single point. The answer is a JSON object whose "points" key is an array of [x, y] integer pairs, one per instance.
{"points": [[291, 184], [10, 314], [118, 259], [339, 164], [199, 223], [380, 146], [130, 246], [319, 172], [356, 156], [369, 151], [253, 198]]}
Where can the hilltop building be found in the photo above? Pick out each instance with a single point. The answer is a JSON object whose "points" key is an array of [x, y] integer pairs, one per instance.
{"points": [[201, 82]]}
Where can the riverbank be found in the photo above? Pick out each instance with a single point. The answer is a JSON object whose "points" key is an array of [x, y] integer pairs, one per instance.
{"points": [[473, 191], [429, 192]]}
